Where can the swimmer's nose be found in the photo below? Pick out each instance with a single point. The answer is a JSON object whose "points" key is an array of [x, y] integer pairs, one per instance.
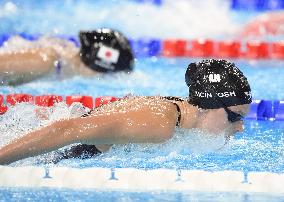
{"points": [[239, 126]]}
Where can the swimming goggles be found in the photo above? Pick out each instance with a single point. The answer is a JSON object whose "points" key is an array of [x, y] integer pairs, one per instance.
{"points": [[233, 116]]}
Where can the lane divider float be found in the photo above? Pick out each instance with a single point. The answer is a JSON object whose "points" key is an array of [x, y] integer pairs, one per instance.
{"points": [[272, 110], [208, 48], [257, 5], [50, 100], [131, 179], [192, 48]]}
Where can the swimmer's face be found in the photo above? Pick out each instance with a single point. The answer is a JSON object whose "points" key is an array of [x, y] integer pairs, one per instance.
{"points": [[216, 120]]}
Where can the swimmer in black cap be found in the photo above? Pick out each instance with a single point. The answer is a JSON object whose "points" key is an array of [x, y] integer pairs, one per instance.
{"points": [[219, 98], [101, 51], [218, 86]]}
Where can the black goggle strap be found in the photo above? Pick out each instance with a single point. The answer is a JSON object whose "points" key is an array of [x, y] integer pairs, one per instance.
{"points": [[232, 116]]}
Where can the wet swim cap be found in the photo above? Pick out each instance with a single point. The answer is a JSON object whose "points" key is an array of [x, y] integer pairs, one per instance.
{"points": [[214, 84], [106, 50]]}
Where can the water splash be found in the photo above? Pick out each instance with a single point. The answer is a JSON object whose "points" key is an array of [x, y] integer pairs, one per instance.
{"points": [[175, 18], [259, 148], [25, 117]]}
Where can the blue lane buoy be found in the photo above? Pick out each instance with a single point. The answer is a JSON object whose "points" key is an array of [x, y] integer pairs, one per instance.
{"points": [[266, 110], [4, 38], [145, 47], [29, 37], [257, 5], [155, 2]]}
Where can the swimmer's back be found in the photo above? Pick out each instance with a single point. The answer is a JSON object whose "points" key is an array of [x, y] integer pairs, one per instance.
{"points": [[166, 105]]}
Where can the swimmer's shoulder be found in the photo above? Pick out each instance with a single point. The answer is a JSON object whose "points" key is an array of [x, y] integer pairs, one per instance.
{"points": [[136, 103], [177, 102], [171, 106]]}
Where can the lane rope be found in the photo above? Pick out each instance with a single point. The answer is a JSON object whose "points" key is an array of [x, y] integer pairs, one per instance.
{"points": [[192, 48], [272, 110], [132, 179]]}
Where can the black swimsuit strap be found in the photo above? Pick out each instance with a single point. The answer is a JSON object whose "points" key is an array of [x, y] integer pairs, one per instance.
{"points": [[179, 114], [177, 99], [174, 98], [88, 113]]}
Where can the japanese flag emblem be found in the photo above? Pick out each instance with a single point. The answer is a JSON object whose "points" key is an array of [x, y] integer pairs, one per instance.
{"points": [[108, 54]]}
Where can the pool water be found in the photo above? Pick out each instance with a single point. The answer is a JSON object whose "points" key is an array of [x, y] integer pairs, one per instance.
{"points": [[259, 148], [39, 194]]}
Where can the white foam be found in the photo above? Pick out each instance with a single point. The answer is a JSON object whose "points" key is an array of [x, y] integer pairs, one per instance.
{"points": [[182, 18], [25, 117], [8, 9], [66, 48]]}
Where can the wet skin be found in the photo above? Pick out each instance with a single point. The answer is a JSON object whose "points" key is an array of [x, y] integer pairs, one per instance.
{"points": [[132, 120], [216, 120]]}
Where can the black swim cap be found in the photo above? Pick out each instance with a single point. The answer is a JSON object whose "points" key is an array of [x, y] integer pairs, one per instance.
{"points": [[214, 84], [106, 50]]}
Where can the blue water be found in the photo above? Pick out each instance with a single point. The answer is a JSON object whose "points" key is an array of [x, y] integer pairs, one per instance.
{"points": [[133, 19], [259, 148], [39, 194]]}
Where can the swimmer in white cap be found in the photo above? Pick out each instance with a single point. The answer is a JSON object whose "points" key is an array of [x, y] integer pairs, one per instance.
{"points": [[102, 50], [219, 99]]}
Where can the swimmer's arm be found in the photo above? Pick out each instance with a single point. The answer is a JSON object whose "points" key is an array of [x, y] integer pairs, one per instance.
{"points": [[29, 63], [119, 128], [266, 23]]}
